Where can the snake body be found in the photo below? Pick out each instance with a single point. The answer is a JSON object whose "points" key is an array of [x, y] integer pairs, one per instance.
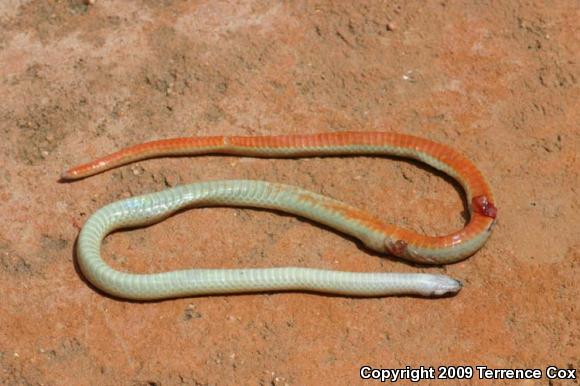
{"points": [[376, 235]]}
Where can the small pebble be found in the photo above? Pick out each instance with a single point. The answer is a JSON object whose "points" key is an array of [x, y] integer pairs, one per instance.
{"points": [[137, 171], [171, 180]]}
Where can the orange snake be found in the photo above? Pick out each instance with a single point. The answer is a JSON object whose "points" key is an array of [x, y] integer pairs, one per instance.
{"points": [[376, 235]]}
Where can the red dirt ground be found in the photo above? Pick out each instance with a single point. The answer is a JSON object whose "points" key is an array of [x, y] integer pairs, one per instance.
{"points": [[496, 80]]}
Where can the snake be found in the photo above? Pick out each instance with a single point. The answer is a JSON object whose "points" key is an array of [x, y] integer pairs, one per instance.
{"points": [[376, 235]]}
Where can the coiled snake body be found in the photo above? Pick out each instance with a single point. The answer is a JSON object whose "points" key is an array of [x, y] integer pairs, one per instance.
{"points": [[376, 235]]}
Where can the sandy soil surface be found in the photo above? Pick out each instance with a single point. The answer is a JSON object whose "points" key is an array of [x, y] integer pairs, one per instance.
{"points": [[496, 80]]}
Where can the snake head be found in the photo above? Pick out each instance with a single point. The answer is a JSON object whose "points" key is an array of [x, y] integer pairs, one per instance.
{"points": [[439, 285]]}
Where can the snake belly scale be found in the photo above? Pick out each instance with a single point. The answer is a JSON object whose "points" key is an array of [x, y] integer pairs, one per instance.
{"points": [[376, 235]]}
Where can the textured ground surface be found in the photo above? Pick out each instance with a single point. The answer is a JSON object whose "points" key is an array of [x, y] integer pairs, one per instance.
{"points": [[498, 81]]}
